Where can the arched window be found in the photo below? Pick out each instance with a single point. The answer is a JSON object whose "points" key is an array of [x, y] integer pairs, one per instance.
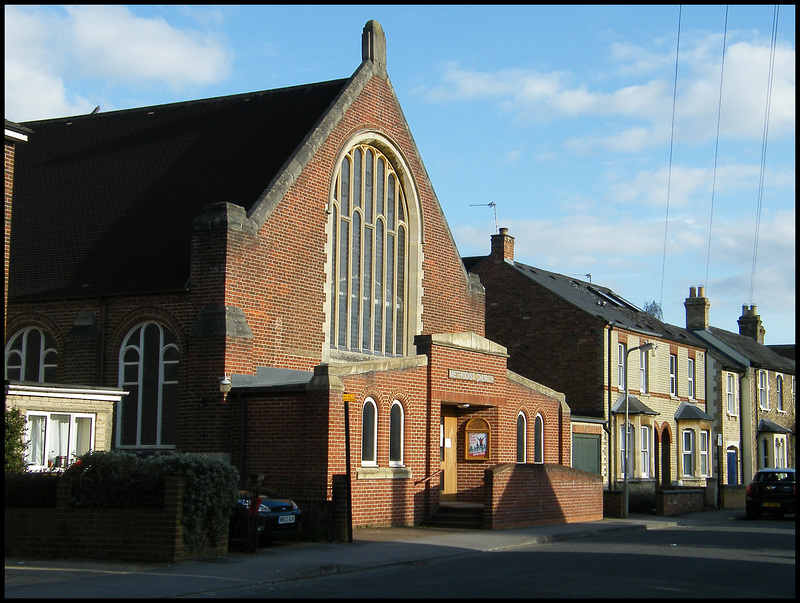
{"points": [[538, 440], [522, 438], [370, 247], [369, 434], [396, 430], [148, 370], [31, 356]]}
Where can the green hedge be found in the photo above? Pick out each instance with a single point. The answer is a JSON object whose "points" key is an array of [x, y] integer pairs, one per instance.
{"points": [[118, 479]]}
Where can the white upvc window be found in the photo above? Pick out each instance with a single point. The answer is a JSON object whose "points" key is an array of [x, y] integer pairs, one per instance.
{"points": [[643, 364], [690, 379], [730, 394], [780, 451], [673, 375], [779, 393], [625, 440], [56, 439], [621, 378], [687, 452], [705, 436], [763, 397], [645, 450]]}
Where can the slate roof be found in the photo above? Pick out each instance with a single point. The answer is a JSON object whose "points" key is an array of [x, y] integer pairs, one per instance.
{"points": [[599, 301], [759, 355], [690, 412], [104, 203], [635, 406]]}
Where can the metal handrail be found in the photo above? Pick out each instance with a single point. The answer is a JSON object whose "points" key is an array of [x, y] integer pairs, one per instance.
{"points": [[430, 477]]}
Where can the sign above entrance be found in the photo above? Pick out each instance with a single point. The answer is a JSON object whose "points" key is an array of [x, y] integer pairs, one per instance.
{"points": [[471, 376]]}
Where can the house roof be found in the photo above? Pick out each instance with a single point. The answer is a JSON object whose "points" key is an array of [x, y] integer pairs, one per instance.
{"points": [[767, 426], [758, 354], [104, 203], [690, 412], [635, 406], [600, 302]]}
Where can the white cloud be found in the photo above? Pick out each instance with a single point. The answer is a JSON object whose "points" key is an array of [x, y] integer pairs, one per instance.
{"points": [[48, 48]]}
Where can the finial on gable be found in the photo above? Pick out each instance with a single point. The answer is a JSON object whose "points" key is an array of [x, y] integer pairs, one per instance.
{"points": [[373, 44]]}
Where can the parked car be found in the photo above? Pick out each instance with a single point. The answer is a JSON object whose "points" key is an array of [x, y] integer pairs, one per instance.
{"points": [[771, 491], [278, 515]]}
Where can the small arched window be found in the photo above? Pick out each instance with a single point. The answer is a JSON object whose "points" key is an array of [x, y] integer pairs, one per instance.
{"points": [[31, 356], [148, 370], [369, 434], [396, 431], [538, 440], [522, 438]]}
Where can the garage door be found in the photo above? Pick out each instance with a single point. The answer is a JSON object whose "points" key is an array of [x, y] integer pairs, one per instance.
{"points": [[586, 452]]}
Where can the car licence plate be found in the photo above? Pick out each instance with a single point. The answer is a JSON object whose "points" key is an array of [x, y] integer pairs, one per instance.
{"points": [[286, 519], [769, 504]]}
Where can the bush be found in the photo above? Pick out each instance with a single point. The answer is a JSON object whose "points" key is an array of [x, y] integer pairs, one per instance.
{"points": [[31, 489], [15, 445], [120, 479]]}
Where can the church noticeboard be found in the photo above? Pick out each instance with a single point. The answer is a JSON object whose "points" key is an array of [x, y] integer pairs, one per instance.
{"points": [[479, 439]]}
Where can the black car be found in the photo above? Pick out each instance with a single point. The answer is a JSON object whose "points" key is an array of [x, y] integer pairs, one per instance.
{"points": [[278, 516], [771, 491]]}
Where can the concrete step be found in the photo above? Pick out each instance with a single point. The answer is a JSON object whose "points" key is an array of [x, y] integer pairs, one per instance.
{"points": [[457, 515]]}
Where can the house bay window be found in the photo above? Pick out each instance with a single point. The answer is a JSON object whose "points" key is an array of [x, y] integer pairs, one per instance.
{"points": [[687, 452], [55, 440]]}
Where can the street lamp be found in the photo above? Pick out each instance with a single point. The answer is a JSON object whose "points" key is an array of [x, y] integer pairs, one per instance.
{"points": [[645, 347]]}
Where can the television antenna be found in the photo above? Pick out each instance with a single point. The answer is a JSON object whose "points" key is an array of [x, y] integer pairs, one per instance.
{"points": [[492, 205]]}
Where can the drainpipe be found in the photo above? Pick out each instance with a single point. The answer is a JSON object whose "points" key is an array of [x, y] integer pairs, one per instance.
{"points": [[607, 425]]}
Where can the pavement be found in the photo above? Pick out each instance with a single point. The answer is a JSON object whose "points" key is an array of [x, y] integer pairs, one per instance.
{"points": [[280, 561]]}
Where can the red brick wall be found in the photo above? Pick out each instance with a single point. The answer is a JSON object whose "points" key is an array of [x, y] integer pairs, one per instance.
{"points": [[521, 495]]}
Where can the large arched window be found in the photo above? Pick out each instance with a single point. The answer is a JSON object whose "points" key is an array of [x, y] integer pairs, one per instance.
{"points": [[396, 429], [31, 356], [148, 370], [369, 434], [370, 250], [522, 438]]}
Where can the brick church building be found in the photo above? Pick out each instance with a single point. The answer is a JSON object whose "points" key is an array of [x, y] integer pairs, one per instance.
{"points": [[271, 279]]}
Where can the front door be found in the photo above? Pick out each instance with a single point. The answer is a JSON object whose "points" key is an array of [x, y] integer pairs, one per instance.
{"points": [[448, 435]]}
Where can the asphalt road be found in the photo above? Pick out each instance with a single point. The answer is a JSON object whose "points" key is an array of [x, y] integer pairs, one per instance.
{"points": [[737, 558]]}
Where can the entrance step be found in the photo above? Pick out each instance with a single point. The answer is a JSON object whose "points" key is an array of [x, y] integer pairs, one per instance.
{"points": [[457, 515]]}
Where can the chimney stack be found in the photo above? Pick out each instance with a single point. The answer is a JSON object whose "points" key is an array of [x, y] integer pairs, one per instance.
{"points": [[503, 246], [697, 306], [750, 324]]}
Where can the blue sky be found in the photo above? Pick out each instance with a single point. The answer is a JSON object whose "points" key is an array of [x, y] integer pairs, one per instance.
{"points": [[562, 116]]}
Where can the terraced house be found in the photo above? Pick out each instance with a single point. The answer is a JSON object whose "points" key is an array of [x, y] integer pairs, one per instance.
{"points": [[586, 341], [269, 278], [751, 393]]}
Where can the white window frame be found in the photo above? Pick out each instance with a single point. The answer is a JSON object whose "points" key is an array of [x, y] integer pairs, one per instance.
{"points": [[690, 379], [366, 461], [621, 377], [49, 458], [763, 390], [643, 376], [523, 453], [705, 441], [687, 452], [31, 369], [779, 393], [538, 439], [623, 449], [731, 394], [400, 433], [673, 375], [780, 450], [644, 447]]}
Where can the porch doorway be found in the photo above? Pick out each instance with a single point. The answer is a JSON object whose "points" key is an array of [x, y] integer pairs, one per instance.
{"points": [[448, 440], [666, 466]]}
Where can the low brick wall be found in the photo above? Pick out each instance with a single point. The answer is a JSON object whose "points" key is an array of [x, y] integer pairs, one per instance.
{"points": [[123, 534], [521, 495], [672, 502]]}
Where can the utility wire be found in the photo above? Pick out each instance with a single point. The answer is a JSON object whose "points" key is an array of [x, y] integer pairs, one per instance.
{"points": [[764, 147], [716, 146], [671, 138]]}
